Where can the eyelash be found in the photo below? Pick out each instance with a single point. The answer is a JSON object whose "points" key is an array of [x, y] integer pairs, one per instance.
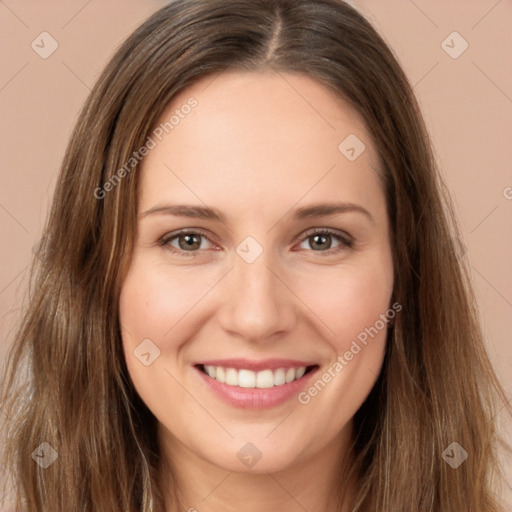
{"points": [[345, 241]]}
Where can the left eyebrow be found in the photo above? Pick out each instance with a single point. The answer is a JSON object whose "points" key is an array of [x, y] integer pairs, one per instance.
{"points": [[325, 209]]}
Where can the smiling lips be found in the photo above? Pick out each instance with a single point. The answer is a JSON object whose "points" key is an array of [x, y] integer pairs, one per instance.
{"points": [[255, 384]]}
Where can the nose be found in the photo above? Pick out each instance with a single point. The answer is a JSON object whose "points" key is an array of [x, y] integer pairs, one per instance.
{"points": [[258, 304]]}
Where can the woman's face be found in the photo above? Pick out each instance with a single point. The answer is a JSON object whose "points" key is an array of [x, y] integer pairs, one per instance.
{"points": [[263, 249]]}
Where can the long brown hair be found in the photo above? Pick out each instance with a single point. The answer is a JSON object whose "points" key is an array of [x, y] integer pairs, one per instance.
{"points": [[436, 386]]}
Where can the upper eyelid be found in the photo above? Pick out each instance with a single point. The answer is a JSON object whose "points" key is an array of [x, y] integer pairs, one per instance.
{"points": [[196, 231]]}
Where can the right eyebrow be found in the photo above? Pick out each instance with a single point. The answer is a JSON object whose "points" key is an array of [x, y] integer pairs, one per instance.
{"points": [[184, 210]]}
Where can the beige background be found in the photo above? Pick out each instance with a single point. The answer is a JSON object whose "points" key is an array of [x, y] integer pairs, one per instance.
{"points": [[467, 103]]}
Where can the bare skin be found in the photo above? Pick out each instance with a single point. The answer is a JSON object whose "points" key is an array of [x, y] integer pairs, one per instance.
{"points": [[256, 150]]}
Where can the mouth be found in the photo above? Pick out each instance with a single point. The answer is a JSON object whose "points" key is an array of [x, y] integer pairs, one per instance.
{"points": [[250, 379], [255, 385]]}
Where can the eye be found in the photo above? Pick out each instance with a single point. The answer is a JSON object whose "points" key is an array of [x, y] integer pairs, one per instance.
{"points": [[321, 240], [189, 243], [185, 241]]}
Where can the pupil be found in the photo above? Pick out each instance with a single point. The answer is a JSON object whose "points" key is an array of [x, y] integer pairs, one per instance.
{"points": [[190, 242], [324, 239]]}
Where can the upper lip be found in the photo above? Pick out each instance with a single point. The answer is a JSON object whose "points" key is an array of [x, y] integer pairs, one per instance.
{"points": [[264, 364]]}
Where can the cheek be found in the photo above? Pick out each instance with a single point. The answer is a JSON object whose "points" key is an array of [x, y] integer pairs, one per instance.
{"points": [[149, 308], [351, 304], [153, 301], [157, 304], [348, 300]]}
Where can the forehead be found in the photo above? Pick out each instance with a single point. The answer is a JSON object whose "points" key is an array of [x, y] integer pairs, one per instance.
{"points": [[265, 132]]}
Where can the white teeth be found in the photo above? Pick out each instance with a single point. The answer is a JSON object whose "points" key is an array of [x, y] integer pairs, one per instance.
{"points": [[290, 375], [246, 379], [210, 370], [265, 379], [220, 374], [279, 377], [249, 379], [231, 377]]}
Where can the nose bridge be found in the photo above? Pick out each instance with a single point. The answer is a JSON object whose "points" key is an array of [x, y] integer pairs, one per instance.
{"points": [[257, 304]]}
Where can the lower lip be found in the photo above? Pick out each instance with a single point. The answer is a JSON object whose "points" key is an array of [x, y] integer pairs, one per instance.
{"points": [[256, 398]]}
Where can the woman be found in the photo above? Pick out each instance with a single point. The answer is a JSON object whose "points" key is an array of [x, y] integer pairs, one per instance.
{"points": [[249, 295]]}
